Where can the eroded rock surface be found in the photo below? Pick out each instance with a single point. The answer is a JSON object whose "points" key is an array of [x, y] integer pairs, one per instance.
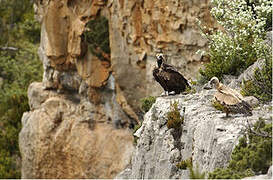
{"points": [[64, 136], [137, 30], [77, 126], [206, 136]]}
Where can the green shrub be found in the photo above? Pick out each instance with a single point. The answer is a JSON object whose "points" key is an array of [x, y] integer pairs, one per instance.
{"points": [[18, 71], [251, 156], [184, 164], [240, 42], [174, 118], [97, 36], [135, 129], [146, 103], [194, 173], [17, 22], [228, 173], [18, 68], [261, 85], [217, 105]]}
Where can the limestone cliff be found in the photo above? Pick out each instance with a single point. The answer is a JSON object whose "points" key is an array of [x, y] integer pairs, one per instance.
{"points": [[206, 136], [137, 30], [78, 125]]}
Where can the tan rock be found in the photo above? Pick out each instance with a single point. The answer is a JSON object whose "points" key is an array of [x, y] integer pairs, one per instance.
{"points": [[66, 139], [94, 71], [164, 25]]}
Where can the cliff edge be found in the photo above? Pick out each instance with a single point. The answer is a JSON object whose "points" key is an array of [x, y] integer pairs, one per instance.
{"points": [[206, 136]]}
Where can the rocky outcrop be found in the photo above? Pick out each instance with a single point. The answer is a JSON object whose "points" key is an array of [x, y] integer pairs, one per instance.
{"points": [[80, 114], [206, 136], [137, 30], [64, 136]]}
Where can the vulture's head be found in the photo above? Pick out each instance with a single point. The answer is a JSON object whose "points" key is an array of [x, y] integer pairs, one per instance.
{"points": [[159, 58], [214, 82]]}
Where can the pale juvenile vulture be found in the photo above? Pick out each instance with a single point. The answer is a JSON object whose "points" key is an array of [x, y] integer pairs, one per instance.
{"points": [[231, 100]]}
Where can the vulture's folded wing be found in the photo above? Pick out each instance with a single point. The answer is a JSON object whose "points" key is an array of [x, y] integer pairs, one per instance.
{"points": [[225, 98]]}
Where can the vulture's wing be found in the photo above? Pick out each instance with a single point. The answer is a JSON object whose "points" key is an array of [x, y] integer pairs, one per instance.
{"points": [[155, 72], [226, 98], [227, 89], [169, 68], [225, 95], [236, 93]]}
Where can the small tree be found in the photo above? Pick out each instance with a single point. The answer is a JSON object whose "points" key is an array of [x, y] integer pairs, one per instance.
{"points": [[239, 42]]}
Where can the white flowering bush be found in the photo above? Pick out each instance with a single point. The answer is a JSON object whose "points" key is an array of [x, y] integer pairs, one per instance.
{"points": [[239, 41]]}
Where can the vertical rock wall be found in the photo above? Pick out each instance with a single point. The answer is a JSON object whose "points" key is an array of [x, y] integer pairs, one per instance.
{"points": [[138, 30], [141, 28]]}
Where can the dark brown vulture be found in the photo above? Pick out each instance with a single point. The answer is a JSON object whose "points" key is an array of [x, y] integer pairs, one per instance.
{"points": [[168, 76], [230, 99]]}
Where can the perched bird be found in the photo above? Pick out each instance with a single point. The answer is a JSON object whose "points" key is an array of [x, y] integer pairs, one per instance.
{"points": [[231, 100], [168, 76]]}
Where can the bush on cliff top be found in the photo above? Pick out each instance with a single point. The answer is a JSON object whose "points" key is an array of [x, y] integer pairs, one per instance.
{"points": [[253, 155], [240, 40]]}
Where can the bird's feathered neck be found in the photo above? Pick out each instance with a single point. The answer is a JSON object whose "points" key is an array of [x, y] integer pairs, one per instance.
{"points": [[159, 62]]}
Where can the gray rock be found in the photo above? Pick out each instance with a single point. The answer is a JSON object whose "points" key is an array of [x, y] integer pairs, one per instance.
{"points": [[251, 100], [206, 136], [36, 95], [248, 74], [70, 80]]}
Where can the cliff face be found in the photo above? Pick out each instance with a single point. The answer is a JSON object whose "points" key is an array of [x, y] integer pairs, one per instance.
{"points": [[206, 136], [139, 29], [81, 112], [66, 137]]}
